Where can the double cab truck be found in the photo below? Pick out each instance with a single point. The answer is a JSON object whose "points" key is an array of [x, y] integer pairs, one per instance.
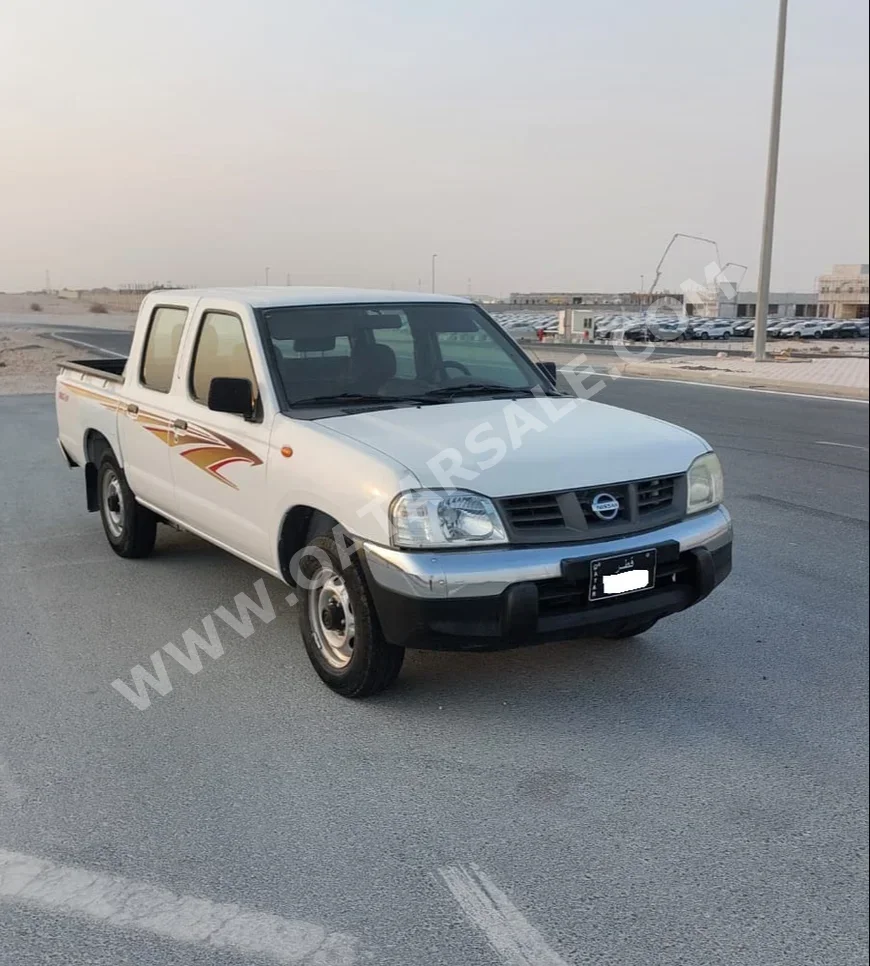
{"points": [[400, 461]]}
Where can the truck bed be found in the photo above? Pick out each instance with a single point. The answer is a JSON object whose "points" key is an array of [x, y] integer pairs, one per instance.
{"points": [[111, 369], [88, 398]]}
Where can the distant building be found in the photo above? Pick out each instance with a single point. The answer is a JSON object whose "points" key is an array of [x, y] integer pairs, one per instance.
{"points": [[787, 305], [845, 292]]}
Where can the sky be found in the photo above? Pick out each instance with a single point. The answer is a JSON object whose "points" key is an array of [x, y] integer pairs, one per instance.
{"points": [[554, 145]]}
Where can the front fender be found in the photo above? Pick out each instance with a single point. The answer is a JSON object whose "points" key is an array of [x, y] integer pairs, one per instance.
{"points": [[336, 475]]}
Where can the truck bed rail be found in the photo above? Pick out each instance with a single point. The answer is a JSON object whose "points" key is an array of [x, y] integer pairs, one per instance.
{"points": [[109, 369]]}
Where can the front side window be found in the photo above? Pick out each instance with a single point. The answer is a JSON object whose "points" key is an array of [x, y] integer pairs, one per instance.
{"points": [[161, 347], [221, 350], [410, 350]]}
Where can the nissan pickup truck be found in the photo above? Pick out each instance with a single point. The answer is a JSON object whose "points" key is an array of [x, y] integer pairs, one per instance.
{"points": [[400, 461]]}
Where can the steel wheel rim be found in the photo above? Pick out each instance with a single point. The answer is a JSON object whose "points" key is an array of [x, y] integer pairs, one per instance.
{"points": [[331, 617], [113, 503]]}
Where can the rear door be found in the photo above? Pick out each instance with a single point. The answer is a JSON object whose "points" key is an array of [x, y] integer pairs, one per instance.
{"points": [[219, 459], [146, 411]]}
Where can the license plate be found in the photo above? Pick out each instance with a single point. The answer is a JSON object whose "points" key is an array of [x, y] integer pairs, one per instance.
{"points": [[625, 574]]}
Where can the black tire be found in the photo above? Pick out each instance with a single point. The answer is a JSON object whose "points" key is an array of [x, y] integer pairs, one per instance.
{"points": [[131, 529], [374, 663], [628, 628], [817, 334]]}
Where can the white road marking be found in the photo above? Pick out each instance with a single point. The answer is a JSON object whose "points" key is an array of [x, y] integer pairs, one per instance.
{"points": [[125, 903], [824, 442], [87, 345], [11, 793], [509, 933]]}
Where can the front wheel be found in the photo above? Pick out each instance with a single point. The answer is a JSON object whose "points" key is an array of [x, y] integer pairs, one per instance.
{"points": [[339, 626], [131, 529]]}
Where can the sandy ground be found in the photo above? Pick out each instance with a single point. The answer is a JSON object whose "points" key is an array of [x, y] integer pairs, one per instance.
{"points": [[20, 303], [15, 310], [28, 361]]}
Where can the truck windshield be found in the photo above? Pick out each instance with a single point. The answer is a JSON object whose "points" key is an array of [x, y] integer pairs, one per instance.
{"points": [[356, 354]]}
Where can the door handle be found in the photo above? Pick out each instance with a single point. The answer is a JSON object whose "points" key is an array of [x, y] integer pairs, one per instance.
{"points": [[180, 424], [132, 408]]}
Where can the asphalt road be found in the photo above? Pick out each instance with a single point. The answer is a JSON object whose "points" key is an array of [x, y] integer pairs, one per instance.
{"points": [[695, 796], [110, 341]]}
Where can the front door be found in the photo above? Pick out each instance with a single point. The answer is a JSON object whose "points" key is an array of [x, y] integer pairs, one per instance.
{"points": [[219, 459]]}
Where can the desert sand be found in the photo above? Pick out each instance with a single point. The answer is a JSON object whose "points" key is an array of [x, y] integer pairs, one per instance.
{"points": [[28, 358]]}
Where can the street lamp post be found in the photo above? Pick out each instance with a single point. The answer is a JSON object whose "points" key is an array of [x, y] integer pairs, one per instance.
{"points": [[763, 297], [433, 273]]}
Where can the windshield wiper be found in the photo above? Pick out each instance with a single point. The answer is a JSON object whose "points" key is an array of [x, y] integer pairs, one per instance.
{"points": [[481, 389], [357, 397]]}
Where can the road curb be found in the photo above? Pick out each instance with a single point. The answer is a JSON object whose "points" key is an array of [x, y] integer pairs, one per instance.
{"points": [[740, 379]]}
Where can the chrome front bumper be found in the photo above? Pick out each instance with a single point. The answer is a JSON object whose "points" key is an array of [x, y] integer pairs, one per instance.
{"points": [[450, 574]]}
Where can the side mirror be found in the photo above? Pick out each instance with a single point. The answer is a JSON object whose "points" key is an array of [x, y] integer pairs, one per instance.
{"points": [[549, 370], [230, 395]]}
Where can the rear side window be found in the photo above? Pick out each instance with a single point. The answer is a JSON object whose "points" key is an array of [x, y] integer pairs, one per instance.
{"points": [[161, 347], [221, 350]]}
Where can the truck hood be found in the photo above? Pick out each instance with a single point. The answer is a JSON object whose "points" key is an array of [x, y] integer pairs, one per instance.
{"points": [[589, 444]]}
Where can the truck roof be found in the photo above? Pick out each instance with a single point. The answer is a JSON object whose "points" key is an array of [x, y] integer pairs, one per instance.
{"points": [[262, 296]]}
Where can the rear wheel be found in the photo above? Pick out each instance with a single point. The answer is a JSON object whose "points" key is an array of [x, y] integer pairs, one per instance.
{"points": [[339, 626], [131, 529]]}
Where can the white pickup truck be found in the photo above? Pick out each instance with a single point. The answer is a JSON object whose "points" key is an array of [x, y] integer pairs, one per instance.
{"points": [[400, 460]]}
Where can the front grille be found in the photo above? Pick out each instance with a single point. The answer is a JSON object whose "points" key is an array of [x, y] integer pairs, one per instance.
{"points": [[533, 512], [569, 515], [655, 494]]}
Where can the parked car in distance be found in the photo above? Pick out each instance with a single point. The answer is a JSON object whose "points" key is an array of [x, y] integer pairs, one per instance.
{"points": [[606, 328], [809, 329], [672, 331], [529, 331], [775, 327], [625, 329], [744, 328], [658, 330], [306, 430], [857, 329], [714, 330]]}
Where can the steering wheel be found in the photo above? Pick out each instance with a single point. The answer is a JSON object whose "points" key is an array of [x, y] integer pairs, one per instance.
{"points": [[446, 364]]}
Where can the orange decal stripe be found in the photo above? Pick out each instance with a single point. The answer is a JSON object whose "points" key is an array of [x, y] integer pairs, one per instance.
{"points": [[209, 451]]}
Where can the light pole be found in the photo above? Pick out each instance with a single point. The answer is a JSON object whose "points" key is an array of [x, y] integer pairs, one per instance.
{"points": [[267, 274], [433, 273], [763, 296]]}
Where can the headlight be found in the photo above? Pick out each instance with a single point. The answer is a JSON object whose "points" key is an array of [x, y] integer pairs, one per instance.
{"points": [[706, 486], [455, 518]]}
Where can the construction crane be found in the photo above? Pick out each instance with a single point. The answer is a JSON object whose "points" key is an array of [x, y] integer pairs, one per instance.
{"points": [[668, 247]]}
